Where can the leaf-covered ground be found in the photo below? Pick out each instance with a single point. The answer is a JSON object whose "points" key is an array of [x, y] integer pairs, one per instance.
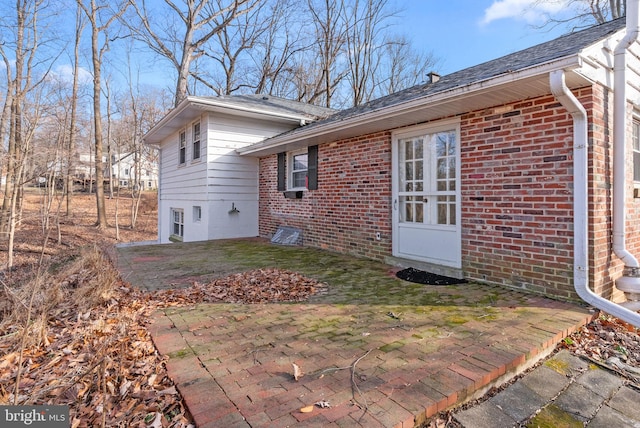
{"points": [[87, 343], [255, 286]]}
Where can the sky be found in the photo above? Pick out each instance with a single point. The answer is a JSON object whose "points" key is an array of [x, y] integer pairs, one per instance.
{"points": [[458, 33], [464, 33]]}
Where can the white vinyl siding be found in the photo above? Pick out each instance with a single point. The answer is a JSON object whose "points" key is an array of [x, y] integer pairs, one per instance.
{"points": [[220, 181]]}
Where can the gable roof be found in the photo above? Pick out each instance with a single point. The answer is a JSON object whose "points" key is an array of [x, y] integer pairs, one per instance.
{"points": [[481, 86], [249, 106]]}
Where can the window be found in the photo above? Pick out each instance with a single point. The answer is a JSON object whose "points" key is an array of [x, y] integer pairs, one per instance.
{"points": [[182, 154], [177, 222], [196, 141], [298, 170], [298, 175], [197, 214], [636, 149]]}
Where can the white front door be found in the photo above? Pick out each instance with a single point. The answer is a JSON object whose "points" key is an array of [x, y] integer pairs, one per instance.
{"points": [[426, 195]]}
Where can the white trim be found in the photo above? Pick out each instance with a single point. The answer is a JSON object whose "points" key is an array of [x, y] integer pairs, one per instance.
{"points": [[195, 123], [452, 124], [401, 108], [431, 127], [290, 171]]}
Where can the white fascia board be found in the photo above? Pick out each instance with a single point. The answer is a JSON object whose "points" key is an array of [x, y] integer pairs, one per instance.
{"points": [[567, 63], [212, 104]]}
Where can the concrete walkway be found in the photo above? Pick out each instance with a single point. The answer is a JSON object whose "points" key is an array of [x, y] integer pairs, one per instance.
{"points": [[374, 366], [565, 391]]}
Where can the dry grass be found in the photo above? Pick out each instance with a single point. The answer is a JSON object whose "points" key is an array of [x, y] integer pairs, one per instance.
{"points": [[72, 332]]}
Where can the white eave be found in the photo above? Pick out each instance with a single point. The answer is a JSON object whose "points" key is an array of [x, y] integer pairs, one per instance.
{"points": [[192, 107], [506, 88]]}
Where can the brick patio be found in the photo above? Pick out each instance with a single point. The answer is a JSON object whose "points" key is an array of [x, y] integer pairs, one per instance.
{"points": [[376, 365]]}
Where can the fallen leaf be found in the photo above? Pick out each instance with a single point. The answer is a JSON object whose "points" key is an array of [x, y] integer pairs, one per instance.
{"points": [[307, 409], [297, 373]]}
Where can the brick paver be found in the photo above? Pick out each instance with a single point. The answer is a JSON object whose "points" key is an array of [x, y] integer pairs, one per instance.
{"points": [[233, 363]]}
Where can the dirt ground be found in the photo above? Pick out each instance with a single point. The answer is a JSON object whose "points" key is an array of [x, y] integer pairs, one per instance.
{"points": [[73, 332]]}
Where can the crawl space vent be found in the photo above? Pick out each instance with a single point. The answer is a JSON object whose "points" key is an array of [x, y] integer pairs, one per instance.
{"points": [[287, 235]]}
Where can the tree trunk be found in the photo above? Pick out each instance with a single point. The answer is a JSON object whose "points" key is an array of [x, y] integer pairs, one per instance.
{"points": [[97, 123]]}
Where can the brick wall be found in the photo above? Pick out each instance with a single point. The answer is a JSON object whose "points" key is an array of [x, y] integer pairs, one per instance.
{"points": [[516, 195], [517, 214], [352, 202]]}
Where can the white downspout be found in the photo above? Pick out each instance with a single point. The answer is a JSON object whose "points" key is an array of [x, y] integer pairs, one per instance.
{"points": [[581, 201], [629, 283]]}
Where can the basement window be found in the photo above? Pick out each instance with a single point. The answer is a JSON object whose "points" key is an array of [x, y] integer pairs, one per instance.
{"points": [[177, 224]]}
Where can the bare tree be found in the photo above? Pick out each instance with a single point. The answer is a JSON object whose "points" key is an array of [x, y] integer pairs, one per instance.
{"points": [[586, 12], [402, 67], [234, 41], [100, 17], [277, 51], [365, 21], [71, 141], [330, 35], [24, 42], [182, 37]]}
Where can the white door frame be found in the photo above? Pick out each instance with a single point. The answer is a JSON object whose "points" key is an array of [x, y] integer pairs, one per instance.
{"points": [[447, 240]]}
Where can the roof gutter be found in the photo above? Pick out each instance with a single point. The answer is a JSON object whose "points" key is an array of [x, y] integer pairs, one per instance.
{"points": [[402, 108], [581, 202]]}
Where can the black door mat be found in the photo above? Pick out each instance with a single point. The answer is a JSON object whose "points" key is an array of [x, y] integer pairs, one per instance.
{"points": [[422, 277]]}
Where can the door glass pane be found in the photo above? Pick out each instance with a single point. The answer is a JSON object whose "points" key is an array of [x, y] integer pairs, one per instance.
{"points": [[419, 170], [452, 144], [409, 171], [452, 213], [408, 150], [417, 148], [408, 213], [442, 168], [419, 211], [442, 213]]}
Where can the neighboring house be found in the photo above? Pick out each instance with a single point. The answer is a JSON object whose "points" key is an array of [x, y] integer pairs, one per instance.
{"points": [[124, 174], [208, 191], [522, 171]]}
